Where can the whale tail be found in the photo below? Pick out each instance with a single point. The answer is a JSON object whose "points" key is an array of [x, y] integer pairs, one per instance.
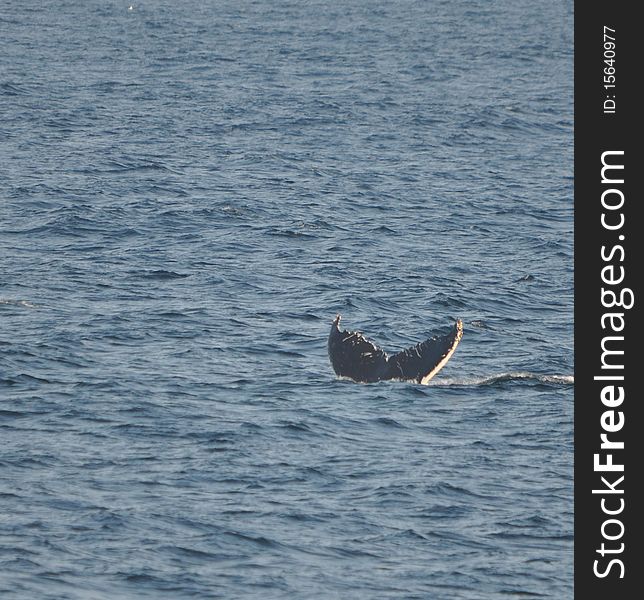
{"points": [[354, 356]]}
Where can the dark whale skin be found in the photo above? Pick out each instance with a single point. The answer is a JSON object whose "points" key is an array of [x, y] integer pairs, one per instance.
{"points": [[354, 356]]}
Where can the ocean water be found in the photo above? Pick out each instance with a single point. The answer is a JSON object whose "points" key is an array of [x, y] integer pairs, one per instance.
{"points": [[189, 193]]}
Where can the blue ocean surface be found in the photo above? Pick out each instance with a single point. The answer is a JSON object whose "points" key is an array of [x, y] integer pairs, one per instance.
{"points": [[189, 193]]}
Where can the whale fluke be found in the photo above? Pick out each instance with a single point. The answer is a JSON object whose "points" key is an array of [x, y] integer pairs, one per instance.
{"points": [[353, 355]]}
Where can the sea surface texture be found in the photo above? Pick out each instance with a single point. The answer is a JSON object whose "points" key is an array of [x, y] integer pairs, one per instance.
{"points": [[189, 193]]}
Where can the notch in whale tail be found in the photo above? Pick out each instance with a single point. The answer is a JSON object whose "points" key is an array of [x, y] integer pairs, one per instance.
{"points": [[354, 356]]}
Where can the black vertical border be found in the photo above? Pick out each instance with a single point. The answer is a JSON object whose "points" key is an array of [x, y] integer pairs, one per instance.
{"points": [[595, 133]]}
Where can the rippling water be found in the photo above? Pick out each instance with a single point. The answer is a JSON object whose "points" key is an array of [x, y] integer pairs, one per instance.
{"points": [[189, 193]]}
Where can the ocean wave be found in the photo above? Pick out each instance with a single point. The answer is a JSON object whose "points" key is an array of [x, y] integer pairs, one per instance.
{"points": [[12, 302], [512, 377]]}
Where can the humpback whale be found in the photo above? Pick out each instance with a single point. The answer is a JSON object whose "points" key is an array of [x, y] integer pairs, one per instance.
{"points": [[354, 356]]}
